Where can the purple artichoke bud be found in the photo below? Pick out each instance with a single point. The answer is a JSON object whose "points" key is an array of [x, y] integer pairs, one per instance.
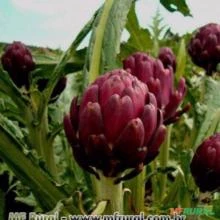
{"points": [[205, 165], [58, 89], [17, 61], [159, 81], [204, 47], [167, 57], [115, 124]]}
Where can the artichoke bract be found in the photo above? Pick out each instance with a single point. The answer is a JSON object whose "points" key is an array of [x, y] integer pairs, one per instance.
{"points": [[167, 57], [116, 126], [205, 165], [18, 62], [204, 47], [159, 80]]}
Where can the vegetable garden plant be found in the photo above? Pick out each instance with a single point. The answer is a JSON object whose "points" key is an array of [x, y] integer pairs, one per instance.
{"points": [[136, 128]]}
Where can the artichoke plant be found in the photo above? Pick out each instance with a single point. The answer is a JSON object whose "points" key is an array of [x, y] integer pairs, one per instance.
{"points": [[167, 57], [117, 126], [159, 80], [204, 47], [18, 62], [205, 165]]}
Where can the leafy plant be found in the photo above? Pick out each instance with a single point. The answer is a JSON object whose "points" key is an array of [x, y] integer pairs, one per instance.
{"points": [[37, 158]]}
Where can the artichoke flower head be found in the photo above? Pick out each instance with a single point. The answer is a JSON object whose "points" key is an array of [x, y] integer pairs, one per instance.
{"points": [[204, 47], [205, 165], [116, 126]]}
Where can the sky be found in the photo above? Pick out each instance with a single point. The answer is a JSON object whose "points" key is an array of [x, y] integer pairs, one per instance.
{"points": [[55, 23]]}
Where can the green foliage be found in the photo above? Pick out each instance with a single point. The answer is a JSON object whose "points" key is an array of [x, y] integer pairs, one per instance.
{"points": [[105, 40], [209, 119], [216, 207], [157, 29], [181, 59], [174, 5], [32, 142], [29, 138], [140, 38]]}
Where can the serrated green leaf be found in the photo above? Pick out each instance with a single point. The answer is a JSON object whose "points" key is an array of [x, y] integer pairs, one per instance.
{"points": [[208, 123], [9, 109], [43, 187], [105, 40], [44, 68], [157, 29], [174, 5], [112, 38], [139, 37]]}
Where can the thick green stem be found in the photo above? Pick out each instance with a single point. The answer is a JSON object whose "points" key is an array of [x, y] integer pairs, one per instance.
{"points": [[34, 137], [164, 157], [186, 199], [137, 187], [50, 159], [113, 193], [155, 188], [39, 140], [99, 33], [47, 145]]}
